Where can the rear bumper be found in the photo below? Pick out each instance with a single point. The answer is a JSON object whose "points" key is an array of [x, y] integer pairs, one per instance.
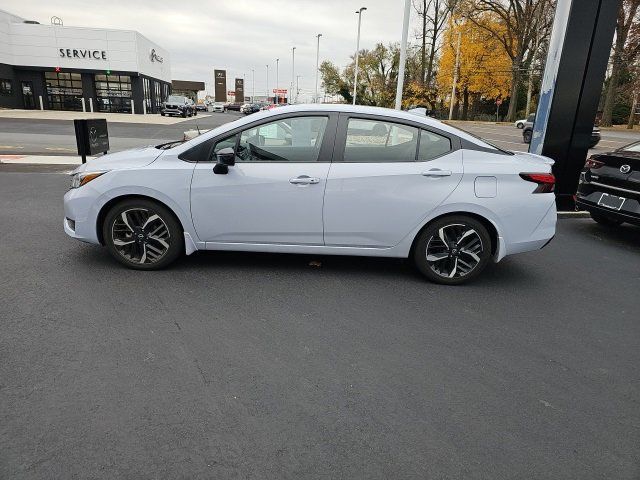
{"points": [[588, 196]]}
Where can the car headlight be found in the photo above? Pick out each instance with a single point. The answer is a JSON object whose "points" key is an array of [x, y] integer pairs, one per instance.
{"points": [[82, 178]]}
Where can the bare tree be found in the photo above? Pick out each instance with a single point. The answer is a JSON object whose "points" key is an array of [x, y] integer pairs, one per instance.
{"points": [[520, 21], [434, 15], [626, 17]]}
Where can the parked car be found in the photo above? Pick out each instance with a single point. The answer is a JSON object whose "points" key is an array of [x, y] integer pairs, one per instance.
{"points": [[523, 123], [527, 133], [319, 179], [220, 107], [178, 105], [234, 106], [609, 187], [249, 108], [201, 107]]}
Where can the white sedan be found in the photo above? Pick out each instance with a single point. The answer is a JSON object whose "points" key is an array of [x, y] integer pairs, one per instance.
{"points": [[319, 179]]}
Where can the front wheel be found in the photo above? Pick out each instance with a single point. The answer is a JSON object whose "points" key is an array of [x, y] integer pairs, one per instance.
{"points": [[606, 221], [142, 234], [520, 125], [526, 136], [452, 250]]}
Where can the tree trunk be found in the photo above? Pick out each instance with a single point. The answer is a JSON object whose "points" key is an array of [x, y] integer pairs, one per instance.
{"points": [[529, 92], [632, 115], [614, 80], [465, 103], [515, 83]]}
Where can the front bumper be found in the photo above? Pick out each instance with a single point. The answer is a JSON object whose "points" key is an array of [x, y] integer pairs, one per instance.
{"points": [[172, 111], [80, 217]]}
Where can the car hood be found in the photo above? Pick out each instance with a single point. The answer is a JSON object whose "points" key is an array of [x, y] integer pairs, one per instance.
{"points": [[134, 158]]}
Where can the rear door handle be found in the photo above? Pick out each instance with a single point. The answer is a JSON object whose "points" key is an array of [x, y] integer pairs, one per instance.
{"points": [[436, 172], [304, 180]]}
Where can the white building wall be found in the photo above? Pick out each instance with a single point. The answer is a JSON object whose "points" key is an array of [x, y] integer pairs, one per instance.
{"points": [[39, 46]]}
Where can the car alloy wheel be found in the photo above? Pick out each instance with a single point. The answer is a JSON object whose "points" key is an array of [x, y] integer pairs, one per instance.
{"points": [[453, 250], [142, 235]]}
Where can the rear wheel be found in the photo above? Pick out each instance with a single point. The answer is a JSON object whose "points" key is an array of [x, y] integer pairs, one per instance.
{"points": [[142, 234], [526, 136], [453, 250], [606, 221], [520, 125]]}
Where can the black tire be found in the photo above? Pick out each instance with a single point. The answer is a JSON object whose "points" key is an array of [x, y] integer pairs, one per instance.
{"points": [[606, 221], [520, 125], [142, 254], [184, 114], [455, 255], [162, 114], [195, 113], [526, 136]]}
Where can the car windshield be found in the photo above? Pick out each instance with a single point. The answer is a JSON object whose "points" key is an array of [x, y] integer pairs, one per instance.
{"points": [[175, 98]]}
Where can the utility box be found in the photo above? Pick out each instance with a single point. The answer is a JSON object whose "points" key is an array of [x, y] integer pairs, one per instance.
{"points": [[92, 137]]}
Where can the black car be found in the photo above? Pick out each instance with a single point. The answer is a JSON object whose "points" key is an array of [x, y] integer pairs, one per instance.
{"points": [[179, 105], [609, 187], [527, 132]]}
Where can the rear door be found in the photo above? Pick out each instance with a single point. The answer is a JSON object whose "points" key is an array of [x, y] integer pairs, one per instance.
{"points": [[386, 176]]}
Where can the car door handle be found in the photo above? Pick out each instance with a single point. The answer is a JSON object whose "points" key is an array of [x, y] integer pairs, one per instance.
{"points": [[304, 180], [436, 172]]}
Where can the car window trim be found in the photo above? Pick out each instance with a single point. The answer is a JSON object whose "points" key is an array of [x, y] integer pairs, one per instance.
{"points": [[343, 123], [451, 149], [324, 155]]}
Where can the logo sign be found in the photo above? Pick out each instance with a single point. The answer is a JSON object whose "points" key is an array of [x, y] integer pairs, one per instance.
{"points": [[82, 53], [239, 92], [92, 136], [154, 57], [231, 93], [280, 90], [220, 85], [625, 169]]}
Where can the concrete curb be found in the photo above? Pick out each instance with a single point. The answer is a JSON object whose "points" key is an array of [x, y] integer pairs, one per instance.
{"points": [[42, 159]]}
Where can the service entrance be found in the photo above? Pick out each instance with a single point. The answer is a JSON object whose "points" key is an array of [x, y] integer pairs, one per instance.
{"points": [[28, 100]]}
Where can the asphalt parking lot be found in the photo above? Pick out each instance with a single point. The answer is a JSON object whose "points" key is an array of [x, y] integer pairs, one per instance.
{"points": [[261, 366]]}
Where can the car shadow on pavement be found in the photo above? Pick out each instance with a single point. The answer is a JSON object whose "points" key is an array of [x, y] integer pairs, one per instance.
{"points": [[625, 235]]}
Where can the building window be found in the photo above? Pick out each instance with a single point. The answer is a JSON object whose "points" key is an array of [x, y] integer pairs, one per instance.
{"points": [[158, 95], [64, 90], [6, 88], [114, 93], [147, 94]]}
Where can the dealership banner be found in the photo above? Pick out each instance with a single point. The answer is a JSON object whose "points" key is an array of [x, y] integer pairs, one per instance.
{"points": [[220, 82], [239, 90]]}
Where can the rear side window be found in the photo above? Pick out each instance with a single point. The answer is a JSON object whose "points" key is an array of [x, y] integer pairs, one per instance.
{"points": [[432, 146], [376, 141]]}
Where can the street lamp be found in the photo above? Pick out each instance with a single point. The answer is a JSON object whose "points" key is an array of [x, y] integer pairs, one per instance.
{"points": [[253, 85], [315, 98], [403, 53], [277, 95], [355, 75], [293, 70], [297, 86], [267, 80]]}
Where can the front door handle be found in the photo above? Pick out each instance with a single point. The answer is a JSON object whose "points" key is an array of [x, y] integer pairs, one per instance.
{"points": [[436, 172], [304, 180]]}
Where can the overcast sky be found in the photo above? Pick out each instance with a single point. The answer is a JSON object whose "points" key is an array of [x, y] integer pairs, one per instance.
{"points": [[236, 35]]}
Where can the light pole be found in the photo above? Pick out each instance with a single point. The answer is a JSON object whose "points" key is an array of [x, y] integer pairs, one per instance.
{"points": [[403, 53], [293, 72], [315, 97], [277, 95], [253, 85], [297, 86], [267, 80], [355, 75]]}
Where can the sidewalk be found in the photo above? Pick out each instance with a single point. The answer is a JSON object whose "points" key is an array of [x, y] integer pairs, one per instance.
{"points": [[151, 118], [42, 159]]}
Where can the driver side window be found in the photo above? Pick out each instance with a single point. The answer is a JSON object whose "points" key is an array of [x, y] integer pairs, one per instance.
{"points": [[296, 139]]}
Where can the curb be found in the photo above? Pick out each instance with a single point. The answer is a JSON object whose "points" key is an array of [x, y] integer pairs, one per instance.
{"points": [[580, 214]]}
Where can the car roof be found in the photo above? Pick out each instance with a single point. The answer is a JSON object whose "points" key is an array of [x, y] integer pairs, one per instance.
{"points": [[344, 108]]}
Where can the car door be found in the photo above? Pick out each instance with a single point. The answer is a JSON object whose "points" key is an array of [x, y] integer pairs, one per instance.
{"points": [[274, 192], [387, 175]]}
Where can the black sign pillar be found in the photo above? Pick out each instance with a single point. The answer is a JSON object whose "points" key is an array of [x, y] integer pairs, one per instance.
{"points": [[239, 90], [576, 64], [220, 85], [92, 137]]}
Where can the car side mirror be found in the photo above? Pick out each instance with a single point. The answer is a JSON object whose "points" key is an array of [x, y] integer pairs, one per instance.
{"points": [[226, 158]]}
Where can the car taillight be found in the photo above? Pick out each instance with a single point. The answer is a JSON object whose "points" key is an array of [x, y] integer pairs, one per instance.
{"points": [[546, 181], [591, 163]]}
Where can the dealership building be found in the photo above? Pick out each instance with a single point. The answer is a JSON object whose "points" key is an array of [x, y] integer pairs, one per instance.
{"points": [[57, 67]]}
